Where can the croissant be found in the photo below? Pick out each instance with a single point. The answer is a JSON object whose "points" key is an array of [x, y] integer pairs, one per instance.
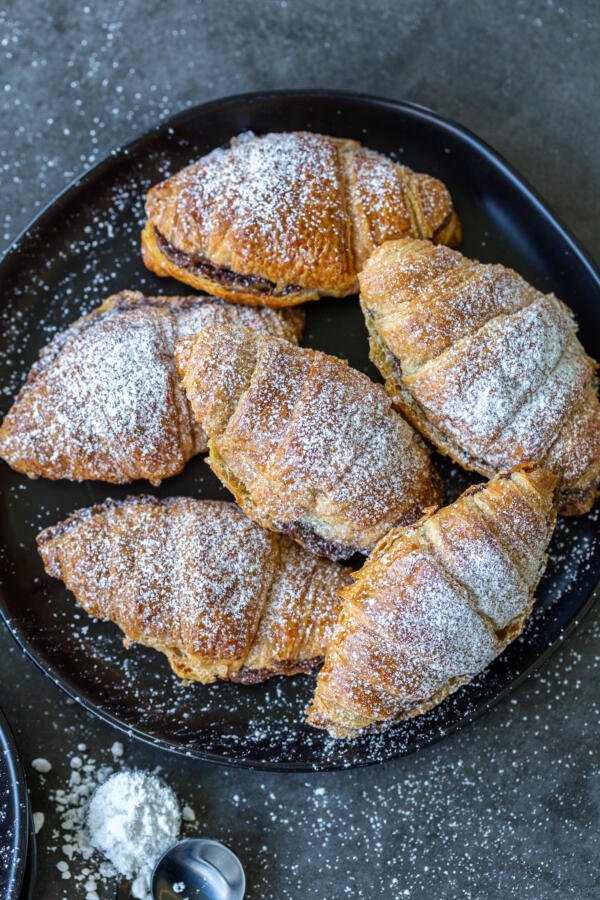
{"points": [[307, 445], [484, 365], [435, 603], [104, 401], [284, 218], [221, 597]]}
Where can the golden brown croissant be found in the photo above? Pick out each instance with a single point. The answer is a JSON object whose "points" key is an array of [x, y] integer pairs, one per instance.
{"points": [[284, 218], [197, 580], [435, 603], [104, 401], [307, 445], [484, 365]]}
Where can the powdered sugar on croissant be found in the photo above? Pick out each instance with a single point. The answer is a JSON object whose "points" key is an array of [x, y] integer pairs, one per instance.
{"points": [[284, 218], [484, 365], [307, 445], [435, 603], [197, 580], [104, 400]]}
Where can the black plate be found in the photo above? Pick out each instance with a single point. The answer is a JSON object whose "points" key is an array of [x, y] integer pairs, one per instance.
{"points": [[86, 246], [15, 819]]}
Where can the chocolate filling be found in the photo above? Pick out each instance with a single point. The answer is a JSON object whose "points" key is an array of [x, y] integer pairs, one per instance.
{"points": [[444, 224], [278, 667], [125, 303], [316, 543], [199, 265]]}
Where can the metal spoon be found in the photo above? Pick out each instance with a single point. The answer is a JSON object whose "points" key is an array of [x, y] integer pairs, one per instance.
{"points": [[124, 889], [208, 869]]}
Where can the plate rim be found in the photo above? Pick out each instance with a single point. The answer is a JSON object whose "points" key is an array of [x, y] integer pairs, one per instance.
{"points": [[260, 765], [92, 173], [89, 173], [23, 818]]}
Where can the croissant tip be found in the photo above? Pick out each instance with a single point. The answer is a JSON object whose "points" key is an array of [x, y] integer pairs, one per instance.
{"points": [[543, 480], [317, 718]]}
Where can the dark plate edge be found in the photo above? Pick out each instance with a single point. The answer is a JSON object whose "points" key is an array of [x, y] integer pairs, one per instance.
{"points": [[259, 765], [23, 819], [80, 182]]}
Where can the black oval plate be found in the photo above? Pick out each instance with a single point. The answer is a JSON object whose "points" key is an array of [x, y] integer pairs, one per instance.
{"points": [[86, 246], [14, 817]]}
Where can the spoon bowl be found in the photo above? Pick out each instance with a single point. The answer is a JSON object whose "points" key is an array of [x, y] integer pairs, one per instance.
{"points": [[198, 869]]}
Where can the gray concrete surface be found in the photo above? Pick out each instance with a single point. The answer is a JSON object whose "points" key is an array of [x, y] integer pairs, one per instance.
{"points": [[509, 807]]}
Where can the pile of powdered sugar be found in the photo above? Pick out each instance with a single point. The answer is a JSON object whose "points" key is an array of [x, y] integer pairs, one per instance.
{"points": [[114, 823], [133, 817]]}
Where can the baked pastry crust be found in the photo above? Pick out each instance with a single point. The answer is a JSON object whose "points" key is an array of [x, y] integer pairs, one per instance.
{"points": [[284, 218], [484, 365], [307, 445], [221, 597], [435, 603], [104, 401]]}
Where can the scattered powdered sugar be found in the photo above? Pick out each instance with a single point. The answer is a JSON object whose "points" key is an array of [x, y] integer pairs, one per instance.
{"points": [[188, 814], [71, 803], [133, 817], [38, 821], [6, 829]]}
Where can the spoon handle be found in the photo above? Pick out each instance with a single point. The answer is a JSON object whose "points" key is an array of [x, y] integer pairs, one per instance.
{"points": [[124, 890]]}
